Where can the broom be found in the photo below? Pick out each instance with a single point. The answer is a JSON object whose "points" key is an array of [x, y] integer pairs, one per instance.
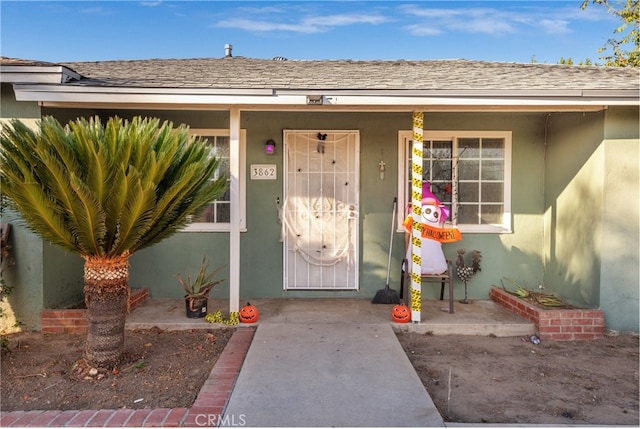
{"points": [[387, 295]]}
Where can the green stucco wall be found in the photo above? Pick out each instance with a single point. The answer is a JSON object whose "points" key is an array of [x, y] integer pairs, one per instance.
{"points": [[591, 213], [42, 276], [514, 255], [10, 108], [620, 250], [25, 272], [573, 204], [25, 275], [620, 272]]}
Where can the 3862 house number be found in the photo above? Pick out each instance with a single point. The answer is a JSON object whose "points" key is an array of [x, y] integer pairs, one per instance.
{"points": [[263, 172]]}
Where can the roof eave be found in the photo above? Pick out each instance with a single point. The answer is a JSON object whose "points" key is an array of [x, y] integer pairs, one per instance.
{"points": [[60, 96], [37, 74]]}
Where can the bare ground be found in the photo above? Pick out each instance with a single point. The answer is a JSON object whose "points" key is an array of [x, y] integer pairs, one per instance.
{"points": [[161, 369], [492, 380], [475, 379]]}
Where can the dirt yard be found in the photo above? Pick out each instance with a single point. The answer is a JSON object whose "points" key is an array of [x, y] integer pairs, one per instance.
{"points": [[161, 369], [493, 380], [507, 380]]}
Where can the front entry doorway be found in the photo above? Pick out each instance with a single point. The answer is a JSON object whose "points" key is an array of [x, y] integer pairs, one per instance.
{"points": [[320, 212]]}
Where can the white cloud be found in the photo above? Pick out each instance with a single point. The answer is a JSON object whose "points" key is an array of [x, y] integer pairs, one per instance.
{"points": [[423, 30], [472, 20], [494, 21], [266, 26], [508, 18], [555, 26], [307, 25], [96, 10]]}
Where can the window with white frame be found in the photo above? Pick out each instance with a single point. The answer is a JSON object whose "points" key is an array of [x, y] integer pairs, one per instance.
{"points": [[469, 171], [217, 215]]}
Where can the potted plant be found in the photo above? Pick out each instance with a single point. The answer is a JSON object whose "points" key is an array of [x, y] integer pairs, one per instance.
{"points": [[198, 290]]}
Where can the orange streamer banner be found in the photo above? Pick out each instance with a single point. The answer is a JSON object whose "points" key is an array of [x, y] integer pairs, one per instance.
{"points": [[443, 235]]}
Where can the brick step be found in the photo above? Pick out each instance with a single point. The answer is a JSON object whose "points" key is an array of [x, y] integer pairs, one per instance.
{"points": [[559, 324]]}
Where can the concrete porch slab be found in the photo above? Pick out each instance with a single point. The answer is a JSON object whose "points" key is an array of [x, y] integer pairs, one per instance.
{"points": [[479, 317]]}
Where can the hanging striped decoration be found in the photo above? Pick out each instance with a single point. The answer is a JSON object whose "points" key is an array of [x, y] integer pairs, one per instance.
{"points": [[416, 212]]}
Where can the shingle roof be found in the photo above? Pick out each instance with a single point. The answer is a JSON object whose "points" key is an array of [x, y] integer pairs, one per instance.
{"points": [[6, 61], [249, 73]]}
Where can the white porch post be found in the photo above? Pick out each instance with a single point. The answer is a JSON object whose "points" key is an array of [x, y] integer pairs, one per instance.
{"points": [[234, 191], [417, 150]]}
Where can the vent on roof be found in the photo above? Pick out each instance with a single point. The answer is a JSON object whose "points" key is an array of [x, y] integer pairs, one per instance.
{"points": [[279, 59], [227, 50]]}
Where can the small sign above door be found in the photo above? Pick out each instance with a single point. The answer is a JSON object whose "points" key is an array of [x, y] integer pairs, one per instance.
{"points": [[264, 172]]}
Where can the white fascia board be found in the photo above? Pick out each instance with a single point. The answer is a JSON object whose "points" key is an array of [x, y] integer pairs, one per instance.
{"points": [[479, 101], [56, 94], [30, 77], [195, 96], [474, 93], [131, 91], [37, 74]]}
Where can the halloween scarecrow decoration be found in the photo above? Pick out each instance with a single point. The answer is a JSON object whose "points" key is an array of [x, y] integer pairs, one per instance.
{"points": [[434, 214]]}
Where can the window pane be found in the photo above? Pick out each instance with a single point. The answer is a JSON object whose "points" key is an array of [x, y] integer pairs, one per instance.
{"points": [[207, 214], [468, 192], [468, 170], [218, 211], [223, 168], [469, 148], [226, 197], [492, 214], [441, 170], [492, 192], [221, 146], [468, 213], [436, 161], [442, 190], [223, 212], [493, 148], [492, 170], [441, 149]]}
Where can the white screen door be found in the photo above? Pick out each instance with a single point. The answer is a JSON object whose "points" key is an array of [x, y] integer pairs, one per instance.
{"points": [[320, 212]]}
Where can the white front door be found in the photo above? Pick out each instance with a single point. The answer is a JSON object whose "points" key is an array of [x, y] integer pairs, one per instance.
{"points": [[320, 213]]}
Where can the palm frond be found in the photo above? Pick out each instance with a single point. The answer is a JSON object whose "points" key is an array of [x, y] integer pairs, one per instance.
{"points": [[89, 225], [39, 213], [106, 190], [136, 215]]}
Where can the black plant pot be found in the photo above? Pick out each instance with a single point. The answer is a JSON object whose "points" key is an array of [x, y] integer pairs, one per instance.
{"points": [[196, 308]]}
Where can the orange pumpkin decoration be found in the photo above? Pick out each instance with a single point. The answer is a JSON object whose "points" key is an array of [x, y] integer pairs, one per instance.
{"points": [[401, 314], [249, 313]]}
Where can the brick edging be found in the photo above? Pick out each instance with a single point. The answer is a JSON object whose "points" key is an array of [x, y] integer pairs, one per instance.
{"points": [[75, 320], [555, 324], [205, 411]]}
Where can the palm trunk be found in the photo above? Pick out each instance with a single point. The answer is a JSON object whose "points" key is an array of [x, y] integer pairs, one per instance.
{"points": [[106, 291]]}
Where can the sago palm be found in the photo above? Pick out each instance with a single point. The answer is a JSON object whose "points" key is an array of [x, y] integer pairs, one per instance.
{"points": [[104, 192]]}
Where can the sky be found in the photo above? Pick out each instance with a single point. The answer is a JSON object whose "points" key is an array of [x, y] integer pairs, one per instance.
{"points": [[506, 31]]}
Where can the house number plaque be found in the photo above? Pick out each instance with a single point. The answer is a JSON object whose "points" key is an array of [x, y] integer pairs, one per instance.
{"points": [[264, 172]]}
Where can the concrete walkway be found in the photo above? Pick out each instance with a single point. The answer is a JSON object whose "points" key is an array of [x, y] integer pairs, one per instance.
{"points": [[326, 375]]}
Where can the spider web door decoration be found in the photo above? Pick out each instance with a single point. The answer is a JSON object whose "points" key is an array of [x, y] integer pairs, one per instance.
{"points": [[320, 213]]}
